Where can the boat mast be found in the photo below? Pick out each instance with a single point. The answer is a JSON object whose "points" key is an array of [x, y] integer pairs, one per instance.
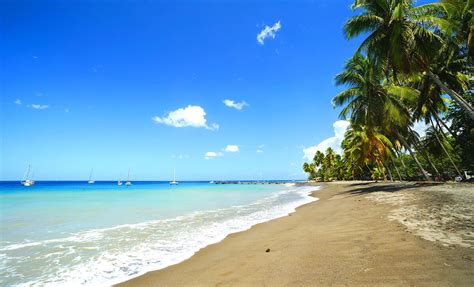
{"points": [[27, 173]]}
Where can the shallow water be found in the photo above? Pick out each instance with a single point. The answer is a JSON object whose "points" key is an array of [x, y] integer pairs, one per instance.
{"points": [[73, 233]]}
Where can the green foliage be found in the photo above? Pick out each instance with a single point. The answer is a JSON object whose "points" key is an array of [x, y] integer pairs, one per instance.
{"points": [[310, 169], [376, 174], [412, 57], [327, 166], [463, 129]]}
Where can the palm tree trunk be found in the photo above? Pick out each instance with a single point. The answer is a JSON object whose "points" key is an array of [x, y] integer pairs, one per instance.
{"points": [[407, 146], [455, 96], [444, 149], [396, 169], [389, 172], [427, 158], [438, 120]]}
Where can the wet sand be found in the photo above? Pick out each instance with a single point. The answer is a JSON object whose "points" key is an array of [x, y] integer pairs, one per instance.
{"points": [[359, 234]]}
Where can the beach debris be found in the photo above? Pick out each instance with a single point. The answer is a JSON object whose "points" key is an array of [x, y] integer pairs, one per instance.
{"points": [[268, 250]]}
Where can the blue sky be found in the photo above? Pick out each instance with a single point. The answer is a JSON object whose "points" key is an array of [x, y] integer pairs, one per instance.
{"points": [[142, 85]]}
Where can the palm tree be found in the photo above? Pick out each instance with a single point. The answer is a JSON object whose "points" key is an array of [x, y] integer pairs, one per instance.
{"points": [[455, 19], [442, 145], [430, 102], [318, 158], [399, 39], [463, 129], [364, 96], [372, 102], [310, 169], [328, 162], [403, 140], [365, 145]]}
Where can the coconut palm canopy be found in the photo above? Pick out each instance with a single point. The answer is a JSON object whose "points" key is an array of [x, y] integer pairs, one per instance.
{"points": [[414, 64]]}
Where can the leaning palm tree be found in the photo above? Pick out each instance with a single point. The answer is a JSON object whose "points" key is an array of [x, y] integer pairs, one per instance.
{"points": [[370, 101], [366, 145], [430, 103], [362, 95], [400, 38]]}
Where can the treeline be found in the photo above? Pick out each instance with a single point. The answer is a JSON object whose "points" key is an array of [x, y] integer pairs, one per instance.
{"points": [[415, 64]]}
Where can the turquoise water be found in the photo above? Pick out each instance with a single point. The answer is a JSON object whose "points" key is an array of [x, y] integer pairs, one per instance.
{"points": [[73, 233]]}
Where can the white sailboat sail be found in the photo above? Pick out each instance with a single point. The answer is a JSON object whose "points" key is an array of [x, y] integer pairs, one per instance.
{"points": [[174, 182], [26, 178], [128, 183], [90, 177]]}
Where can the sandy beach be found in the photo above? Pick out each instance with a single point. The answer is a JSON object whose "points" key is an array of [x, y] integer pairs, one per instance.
{"points": [[356, 234]]}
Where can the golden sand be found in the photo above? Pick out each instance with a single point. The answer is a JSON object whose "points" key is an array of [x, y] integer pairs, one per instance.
{"points": [[355, 235]]}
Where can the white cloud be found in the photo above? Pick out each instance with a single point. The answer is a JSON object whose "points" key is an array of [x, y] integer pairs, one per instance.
{"points": [[39, 107], [66, 110], [333, 142], [190, 116], [235, 105], [259, 150], [231, 148], [268, 32], [420, 127], [212, 154], [18, 102]]}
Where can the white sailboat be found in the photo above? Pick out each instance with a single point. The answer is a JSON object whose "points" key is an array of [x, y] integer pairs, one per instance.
{"points": [[128, 183], [174, 182], [26, 179], [90, 181], [119, 182]]}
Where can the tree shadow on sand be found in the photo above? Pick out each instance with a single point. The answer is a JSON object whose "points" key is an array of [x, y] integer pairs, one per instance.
{"points": [[366, 188]]}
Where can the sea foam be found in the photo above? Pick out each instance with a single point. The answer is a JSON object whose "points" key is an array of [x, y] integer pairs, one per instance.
{"points": [[107, 256]]}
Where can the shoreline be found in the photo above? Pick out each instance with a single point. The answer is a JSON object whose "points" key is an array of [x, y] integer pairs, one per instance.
{"points": [[311, 198], [342, 238]]}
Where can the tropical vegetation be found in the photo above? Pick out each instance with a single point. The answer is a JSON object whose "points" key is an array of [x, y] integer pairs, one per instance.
{"points": [[415, 64]]}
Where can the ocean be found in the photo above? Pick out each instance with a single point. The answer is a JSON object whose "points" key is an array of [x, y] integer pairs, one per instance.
{"points": [[75, 233]]}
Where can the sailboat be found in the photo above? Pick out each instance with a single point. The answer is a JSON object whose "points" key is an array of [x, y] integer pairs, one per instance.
{"points": [[128, 183], [26, 179], [174, 182], [119, 183], [90, 178]]}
